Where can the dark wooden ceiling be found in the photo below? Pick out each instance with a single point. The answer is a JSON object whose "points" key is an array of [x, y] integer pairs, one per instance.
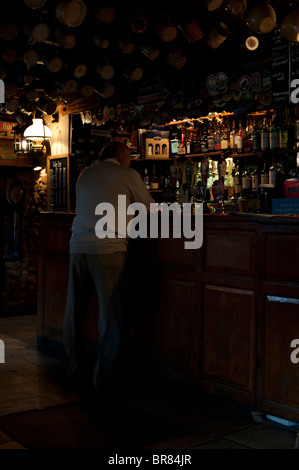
{"points": [[38, 83]]}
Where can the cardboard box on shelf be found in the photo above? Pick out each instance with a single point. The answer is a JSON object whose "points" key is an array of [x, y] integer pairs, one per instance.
{"points": [[157, 144]]}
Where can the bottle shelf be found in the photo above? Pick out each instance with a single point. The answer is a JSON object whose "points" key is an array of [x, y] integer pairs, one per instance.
{"points": [[227, 152]]}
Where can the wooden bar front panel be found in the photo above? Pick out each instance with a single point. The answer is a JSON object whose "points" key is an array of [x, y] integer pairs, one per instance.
{"points": [[229, 341], [223, 316], [280, 376]]}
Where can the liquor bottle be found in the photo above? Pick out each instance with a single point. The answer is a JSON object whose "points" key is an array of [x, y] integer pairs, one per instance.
{"points": [[211, 143], [182, 146], [217, 138], [265, 136], [264, 175], [256, 137], [224, 138], [246, 181], [154, 181], [204, 141], [196, 143], [188, 143], [255, 180], [239, 138], [146, 180], [273, 136], [279, 180], [232, 136], [247, 139], [283, 137], [161, 182], [150, 149], [229, 177], [237, 182], [174, 171], [174, 144], [272, 174]]}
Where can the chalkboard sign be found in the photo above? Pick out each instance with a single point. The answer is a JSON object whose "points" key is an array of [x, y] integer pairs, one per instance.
{"points": [[294, 56], [280, 69], [58, 183]]}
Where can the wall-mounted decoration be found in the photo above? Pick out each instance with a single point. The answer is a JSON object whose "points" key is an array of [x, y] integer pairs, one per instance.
{"points": [[58, 171]]}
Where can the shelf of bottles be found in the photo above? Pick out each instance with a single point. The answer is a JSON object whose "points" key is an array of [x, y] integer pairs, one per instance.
{"points": [[225, 157]]}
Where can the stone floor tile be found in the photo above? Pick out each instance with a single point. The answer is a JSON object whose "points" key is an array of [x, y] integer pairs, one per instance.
{"points": [[265, 436], [222, 443]]}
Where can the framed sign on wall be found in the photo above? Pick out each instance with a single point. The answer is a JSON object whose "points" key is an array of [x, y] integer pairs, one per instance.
{"points": [[58, 171]]}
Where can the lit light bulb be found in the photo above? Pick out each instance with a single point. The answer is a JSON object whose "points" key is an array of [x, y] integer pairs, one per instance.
{"points": [[252, 43]]}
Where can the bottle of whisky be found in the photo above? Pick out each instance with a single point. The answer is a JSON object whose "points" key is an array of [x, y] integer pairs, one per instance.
{"points": [[204, 141], [239, 138], [232, 135], [217, 138], [265, 174], [255, 180], [211, 142], [273, 136], [224, 137], [265, 136], [256, 137], [182, 146], [237, 182], [246, 181]]}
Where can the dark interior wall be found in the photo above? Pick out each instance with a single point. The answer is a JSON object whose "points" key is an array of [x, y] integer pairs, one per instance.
{"points": [[19, 241]]}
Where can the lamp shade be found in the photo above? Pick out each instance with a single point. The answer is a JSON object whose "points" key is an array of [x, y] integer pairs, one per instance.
{"points": [[289, 27], [37, 131]]}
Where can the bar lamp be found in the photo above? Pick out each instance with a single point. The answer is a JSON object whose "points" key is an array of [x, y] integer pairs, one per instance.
{"points": [[37, 133]]}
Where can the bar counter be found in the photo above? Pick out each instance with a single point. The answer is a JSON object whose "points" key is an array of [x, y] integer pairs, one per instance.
{"points": [[220, 318]]}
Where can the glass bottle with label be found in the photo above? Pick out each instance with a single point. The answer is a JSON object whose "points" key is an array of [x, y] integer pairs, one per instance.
{"points": [[283, 137], [232, 136], [246, 181], [196, 143], [239, 138], [204, 141], [272, 174], [273, 136], [265, 136], [150, 149], [264, 175], [237, 182], [255, 180], [247, 140], [211, 143], [182, 145], [217, 138], [224, 137], [256, 137], [146, 180]]}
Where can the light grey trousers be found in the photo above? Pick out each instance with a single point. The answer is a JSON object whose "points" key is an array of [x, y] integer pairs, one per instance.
{"points": [[107, 272]]}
